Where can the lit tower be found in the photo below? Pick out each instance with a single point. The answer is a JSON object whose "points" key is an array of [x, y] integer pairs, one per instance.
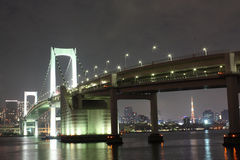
{"points": [[192, 111]]}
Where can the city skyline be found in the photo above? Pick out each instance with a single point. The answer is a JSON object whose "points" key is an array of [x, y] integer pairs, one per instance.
{"points": [[183, 99]]}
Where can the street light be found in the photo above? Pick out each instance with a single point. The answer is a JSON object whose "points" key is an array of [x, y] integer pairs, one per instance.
{"points": [[140, 62], [79, 77], [170, 57], [154, 47], [205, 51], [94, 70], [86, 73], [126, 55], [107, 63], [119, 68], [95, 67]]}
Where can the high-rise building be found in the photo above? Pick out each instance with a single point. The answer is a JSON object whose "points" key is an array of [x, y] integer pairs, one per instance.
{"points": [[208, 117], [20, 110], [186, 121], [192, 111], [2, 113], [224, 115], [142, 119], [128, 115], [217, 116], [11, 113]]}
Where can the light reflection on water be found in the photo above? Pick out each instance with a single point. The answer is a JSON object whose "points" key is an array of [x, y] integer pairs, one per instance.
{"points": [[207, 146], [177, 145]]}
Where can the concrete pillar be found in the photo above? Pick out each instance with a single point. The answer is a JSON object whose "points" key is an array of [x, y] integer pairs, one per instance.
{"points": [[233, 104], [25, 128], [114, 116], [230, 63], [53, 121], [154, 113], [36, 129]]}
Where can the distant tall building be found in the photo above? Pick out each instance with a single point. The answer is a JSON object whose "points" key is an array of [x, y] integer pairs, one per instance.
{"points": [[192, 111], [142, 119], [186, 121], [208, 116], [217, 116], [2, 113], [20, 110], [11, 113], [129, 116], [224, 115]]}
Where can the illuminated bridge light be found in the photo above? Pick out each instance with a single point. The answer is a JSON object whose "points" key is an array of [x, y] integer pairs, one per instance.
{"points": [[194, 69], [152, 74], [93, 84], [103, 82], [136, 77], [221, 66], [172, 72], [184, 74], [205, 71]]}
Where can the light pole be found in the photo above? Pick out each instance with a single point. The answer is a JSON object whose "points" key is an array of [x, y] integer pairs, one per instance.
{"points": [[170, 57], [107, 62], [106, 66], [140, 62], [119, 68], [205, 51], [125, 56], [85, 73], [79, 77], [94, 71]]}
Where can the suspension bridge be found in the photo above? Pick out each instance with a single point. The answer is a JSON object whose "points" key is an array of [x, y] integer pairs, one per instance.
{"points": [[89, 108]]}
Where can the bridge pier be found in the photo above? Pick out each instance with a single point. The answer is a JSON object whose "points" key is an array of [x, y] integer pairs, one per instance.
{"points": [[114, 138], [154, 136], [36, 129], [25, 128], [53, 121], [233, 138]]}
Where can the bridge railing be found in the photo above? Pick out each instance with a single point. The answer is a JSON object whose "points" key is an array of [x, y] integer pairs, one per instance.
{"points": [[163, 77], [201, 54]]}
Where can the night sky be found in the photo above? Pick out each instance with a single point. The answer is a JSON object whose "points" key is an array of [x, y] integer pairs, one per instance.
{"points": [[105, 29]]}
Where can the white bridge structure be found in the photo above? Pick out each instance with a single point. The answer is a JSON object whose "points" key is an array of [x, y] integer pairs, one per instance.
{"points": [[69, 52]]}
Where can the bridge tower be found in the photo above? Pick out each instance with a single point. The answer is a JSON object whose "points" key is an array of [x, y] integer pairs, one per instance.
{"points": [[69, 52], [26, 94]]}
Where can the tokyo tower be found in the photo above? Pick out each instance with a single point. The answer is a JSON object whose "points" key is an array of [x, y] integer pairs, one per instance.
{"points": [[192, 111]]}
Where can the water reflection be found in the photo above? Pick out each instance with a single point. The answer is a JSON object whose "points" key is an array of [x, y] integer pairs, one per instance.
{"points": [[53, 149], [207, 149], [208, 155], [178, 145], [158, 151], [114, 152], [194, 151], [232, 153]]}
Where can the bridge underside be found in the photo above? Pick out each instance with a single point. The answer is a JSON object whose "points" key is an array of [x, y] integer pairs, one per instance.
{"points": [[38, 110]]}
